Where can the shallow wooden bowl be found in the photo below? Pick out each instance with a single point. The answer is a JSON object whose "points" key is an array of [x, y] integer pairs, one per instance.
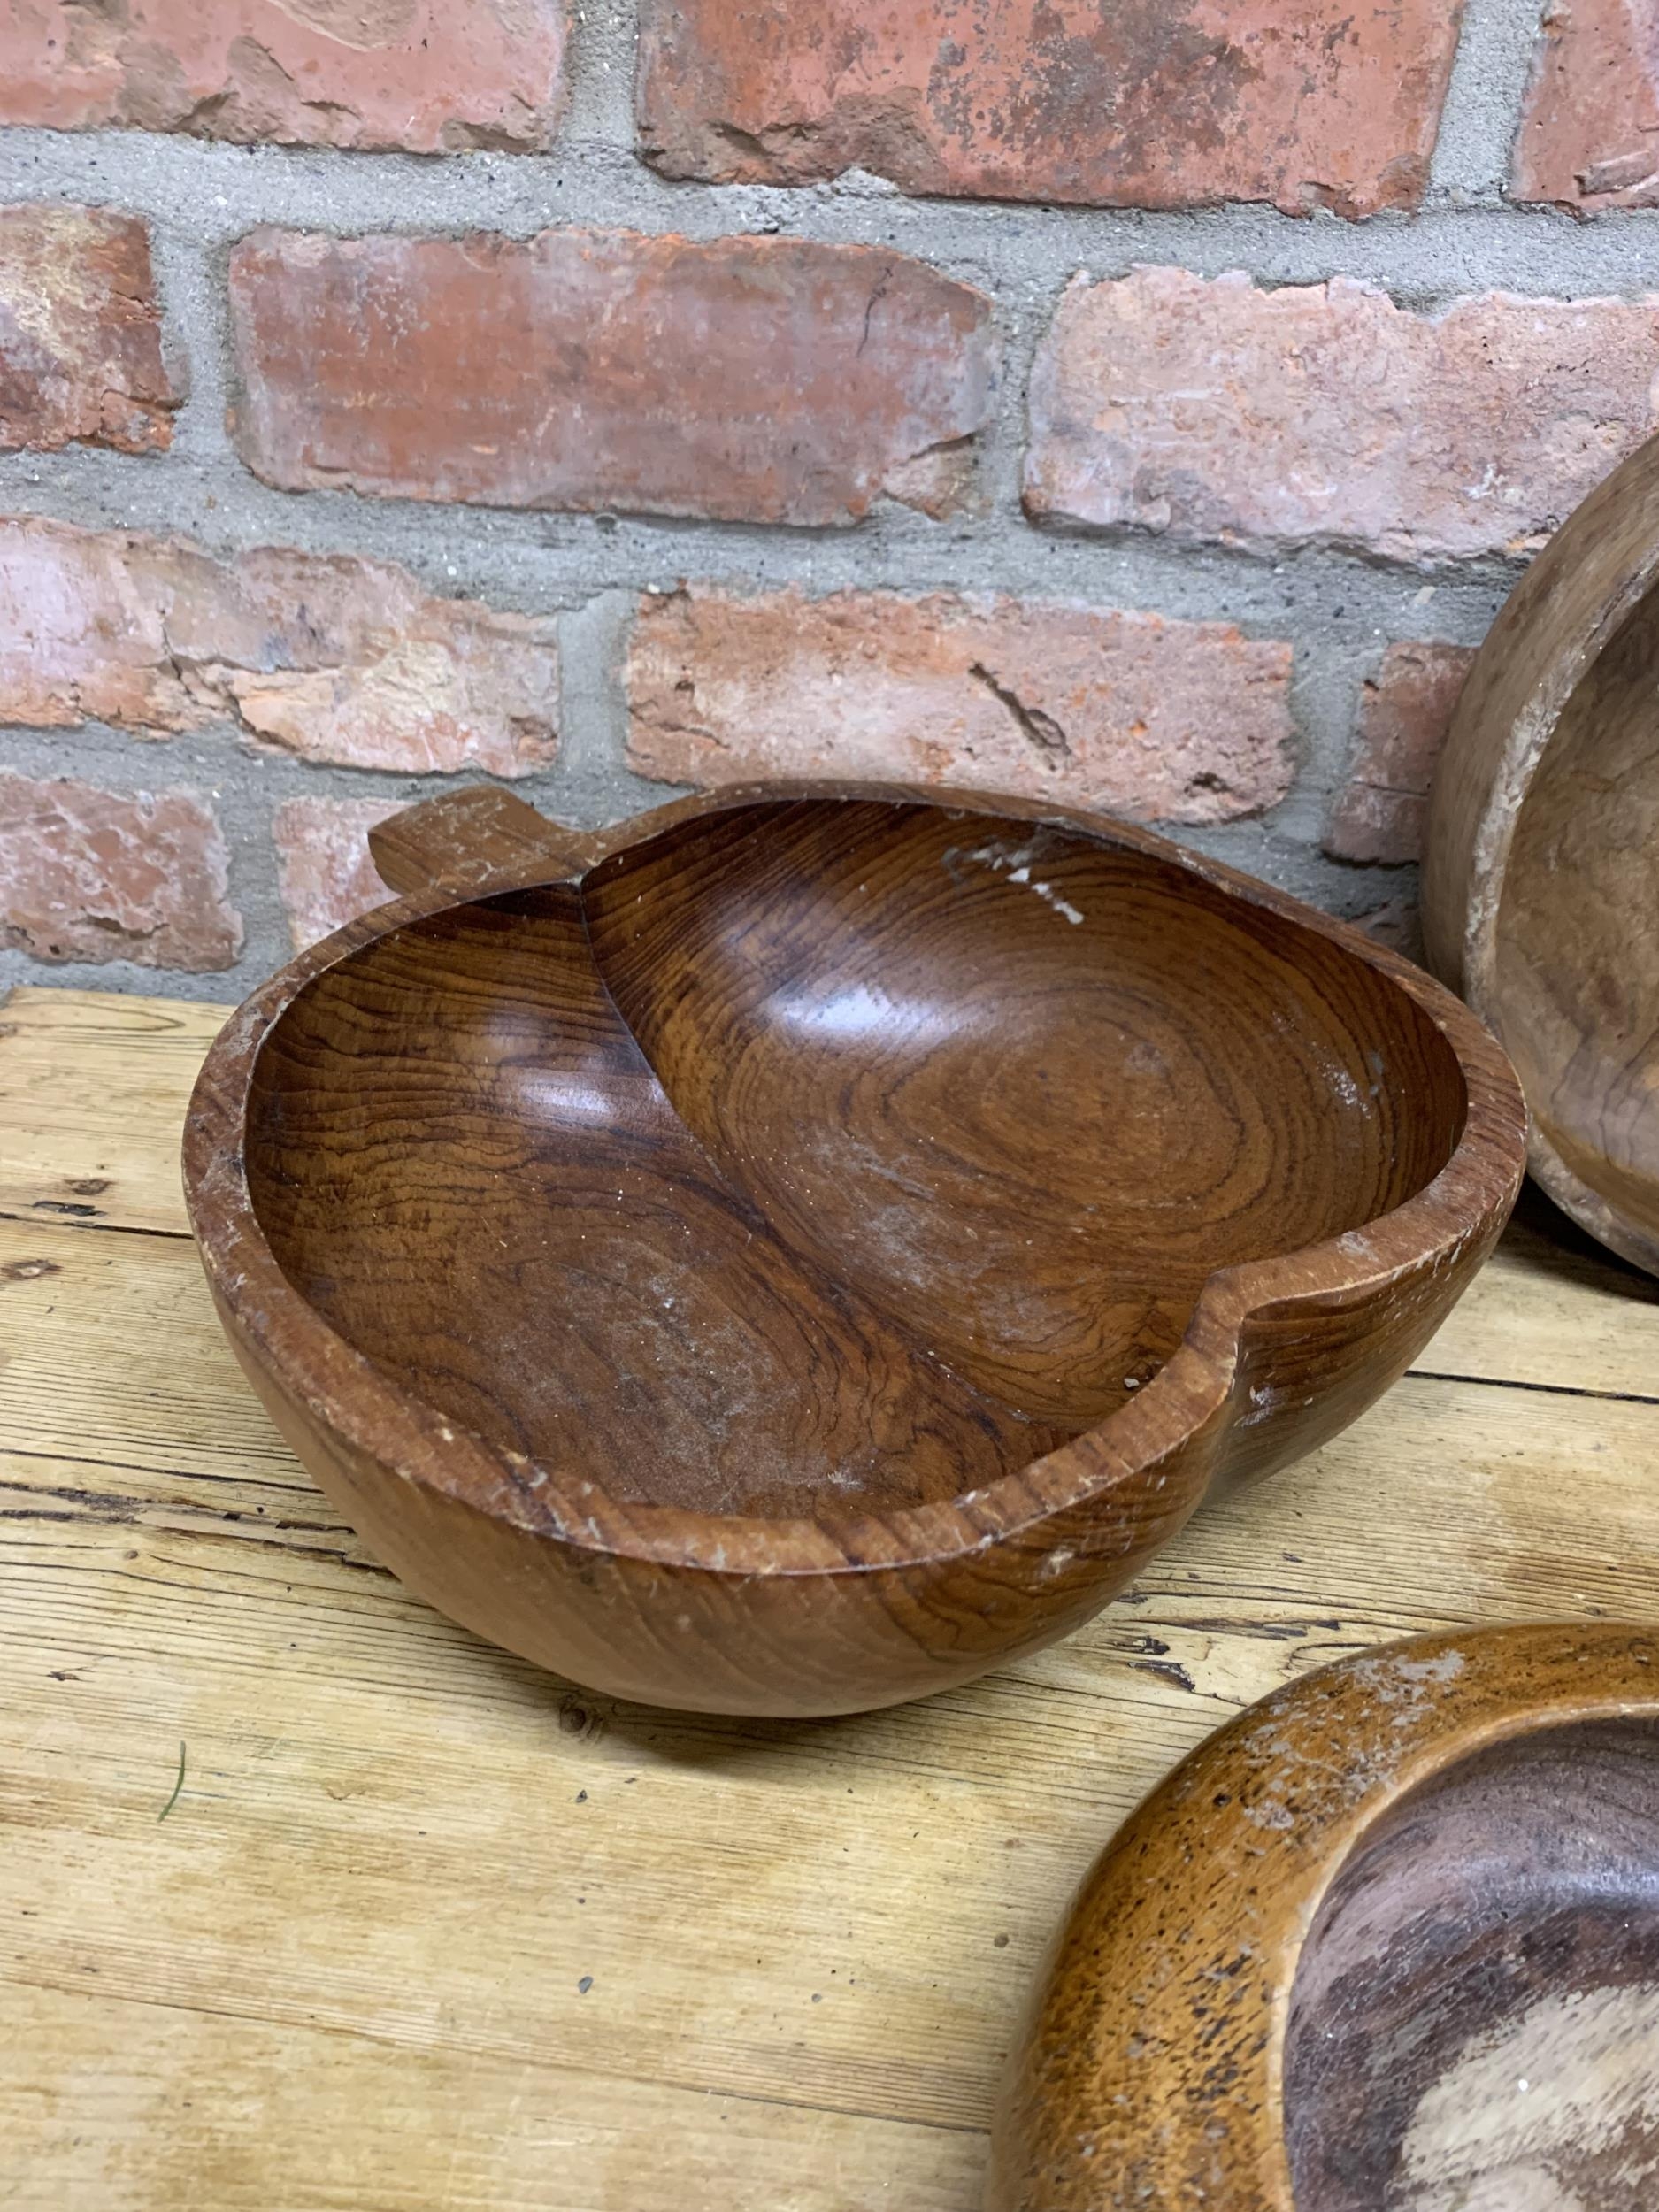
{"points": [[1541, 881], [793, 1251], [1389, 1942]]}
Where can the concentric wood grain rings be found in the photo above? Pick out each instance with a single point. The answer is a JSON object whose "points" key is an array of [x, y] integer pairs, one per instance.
{"points": [[791, 1252]]}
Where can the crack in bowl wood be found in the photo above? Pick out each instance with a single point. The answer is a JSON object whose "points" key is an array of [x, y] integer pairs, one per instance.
{"points": [[1387, 1942], [1540, 879], [794, 1251]]}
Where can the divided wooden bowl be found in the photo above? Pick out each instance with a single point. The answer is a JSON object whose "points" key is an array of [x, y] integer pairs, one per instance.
{"points": [[1389, 1942], [793, 1251], [1540, 879]]}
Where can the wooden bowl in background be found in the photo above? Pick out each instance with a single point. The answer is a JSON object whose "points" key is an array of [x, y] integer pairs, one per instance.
{"points": [[794, 1251], [1540, 879], [1389, 1942]]}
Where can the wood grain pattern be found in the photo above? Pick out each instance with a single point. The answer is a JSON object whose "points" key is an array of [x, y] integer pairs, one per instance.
{"points": [[1389, 1942], [467, 839], [790, 1253], [90, 1089], [1542, 852], [303, 2118], [368, 1888], [1575, 1338]]}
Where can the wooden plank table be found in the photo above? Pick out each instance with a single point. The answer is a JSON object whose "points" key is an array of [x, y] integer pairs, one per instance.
{"points": [[423, 1929]]}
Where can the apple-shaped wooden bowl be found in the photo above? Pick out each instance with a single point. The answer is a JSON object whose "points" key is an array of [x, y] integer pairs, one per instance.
{"points": [[793, 1251], [1389, 1942], [1541, 878]]}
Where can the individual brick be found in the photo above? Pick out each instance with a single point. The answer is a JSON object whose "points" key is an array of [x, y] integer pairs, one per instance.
{"points": [[1589, 135], [81, 332], [760, 380], [324, 870], [332, 658], [1405, 710], [421, 74], [89, 874], [1139, 105], [1325, 414], [1182, 721]]}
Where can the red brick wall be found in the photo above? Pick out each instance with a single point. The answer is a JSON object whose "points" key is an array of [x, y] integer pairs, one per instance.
{"points": [[1145, 406]]}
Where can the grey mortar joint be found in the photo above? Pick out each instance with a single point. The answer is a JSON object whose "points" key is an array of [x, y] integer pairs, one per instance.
{"points": [[1339, 609]]}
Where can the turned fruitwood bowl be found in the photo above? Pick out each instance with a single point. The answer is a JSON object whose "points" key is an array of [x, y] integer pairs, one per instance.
{"points": [[1389, 1942], [1541, 880], [791, 1252]]}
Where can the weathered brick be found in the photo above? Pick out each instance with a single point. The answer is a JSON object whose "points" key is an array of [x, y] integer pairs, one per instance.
{"points": [[1404, 710], [1183, 721], [1325, 414], [336, 659], [1589, 135], [323, 864], [1140, 104], [425, 74], [88, 874], [81, 332], [769, 380]]}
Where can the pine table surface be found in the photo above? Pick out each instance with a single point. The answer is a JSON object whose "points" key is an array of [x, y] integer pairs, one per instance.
{"points": [[310, 1901]]}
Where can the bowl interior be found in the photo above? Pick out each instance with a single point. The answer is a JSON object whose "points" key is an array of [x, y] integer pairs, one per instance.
{"points": [[826, 1153], [1576, 973], [1474, 2026]]}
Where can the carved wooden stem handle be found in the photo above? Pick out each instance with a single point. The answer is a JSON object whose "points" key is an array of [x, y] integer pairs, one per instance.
{"points": [[470, 841]]}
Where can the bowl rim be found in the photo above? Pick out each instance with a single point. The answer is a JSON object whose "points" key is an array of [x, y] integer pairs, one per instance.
{"points": [[1576, 599], [1355, 1741], [359, 1402]]}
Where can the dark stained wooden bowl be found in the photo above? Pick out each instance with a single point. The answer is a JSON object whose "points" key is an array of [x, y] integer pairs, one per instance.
{"points": [[791, 1252], [1541, 880], [1389, 1942]]}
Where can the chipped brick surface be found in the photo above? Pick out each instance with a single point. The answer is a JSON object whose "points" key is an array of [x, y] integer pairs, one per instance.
{"points": [[1183, 721], [1404, 712], [89, 874], [1145, 103], [765, 380], [422, 74], [81, 354], [333, 659], [1325, 414], [1589, 137], [746, 495], [323, 866]]}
